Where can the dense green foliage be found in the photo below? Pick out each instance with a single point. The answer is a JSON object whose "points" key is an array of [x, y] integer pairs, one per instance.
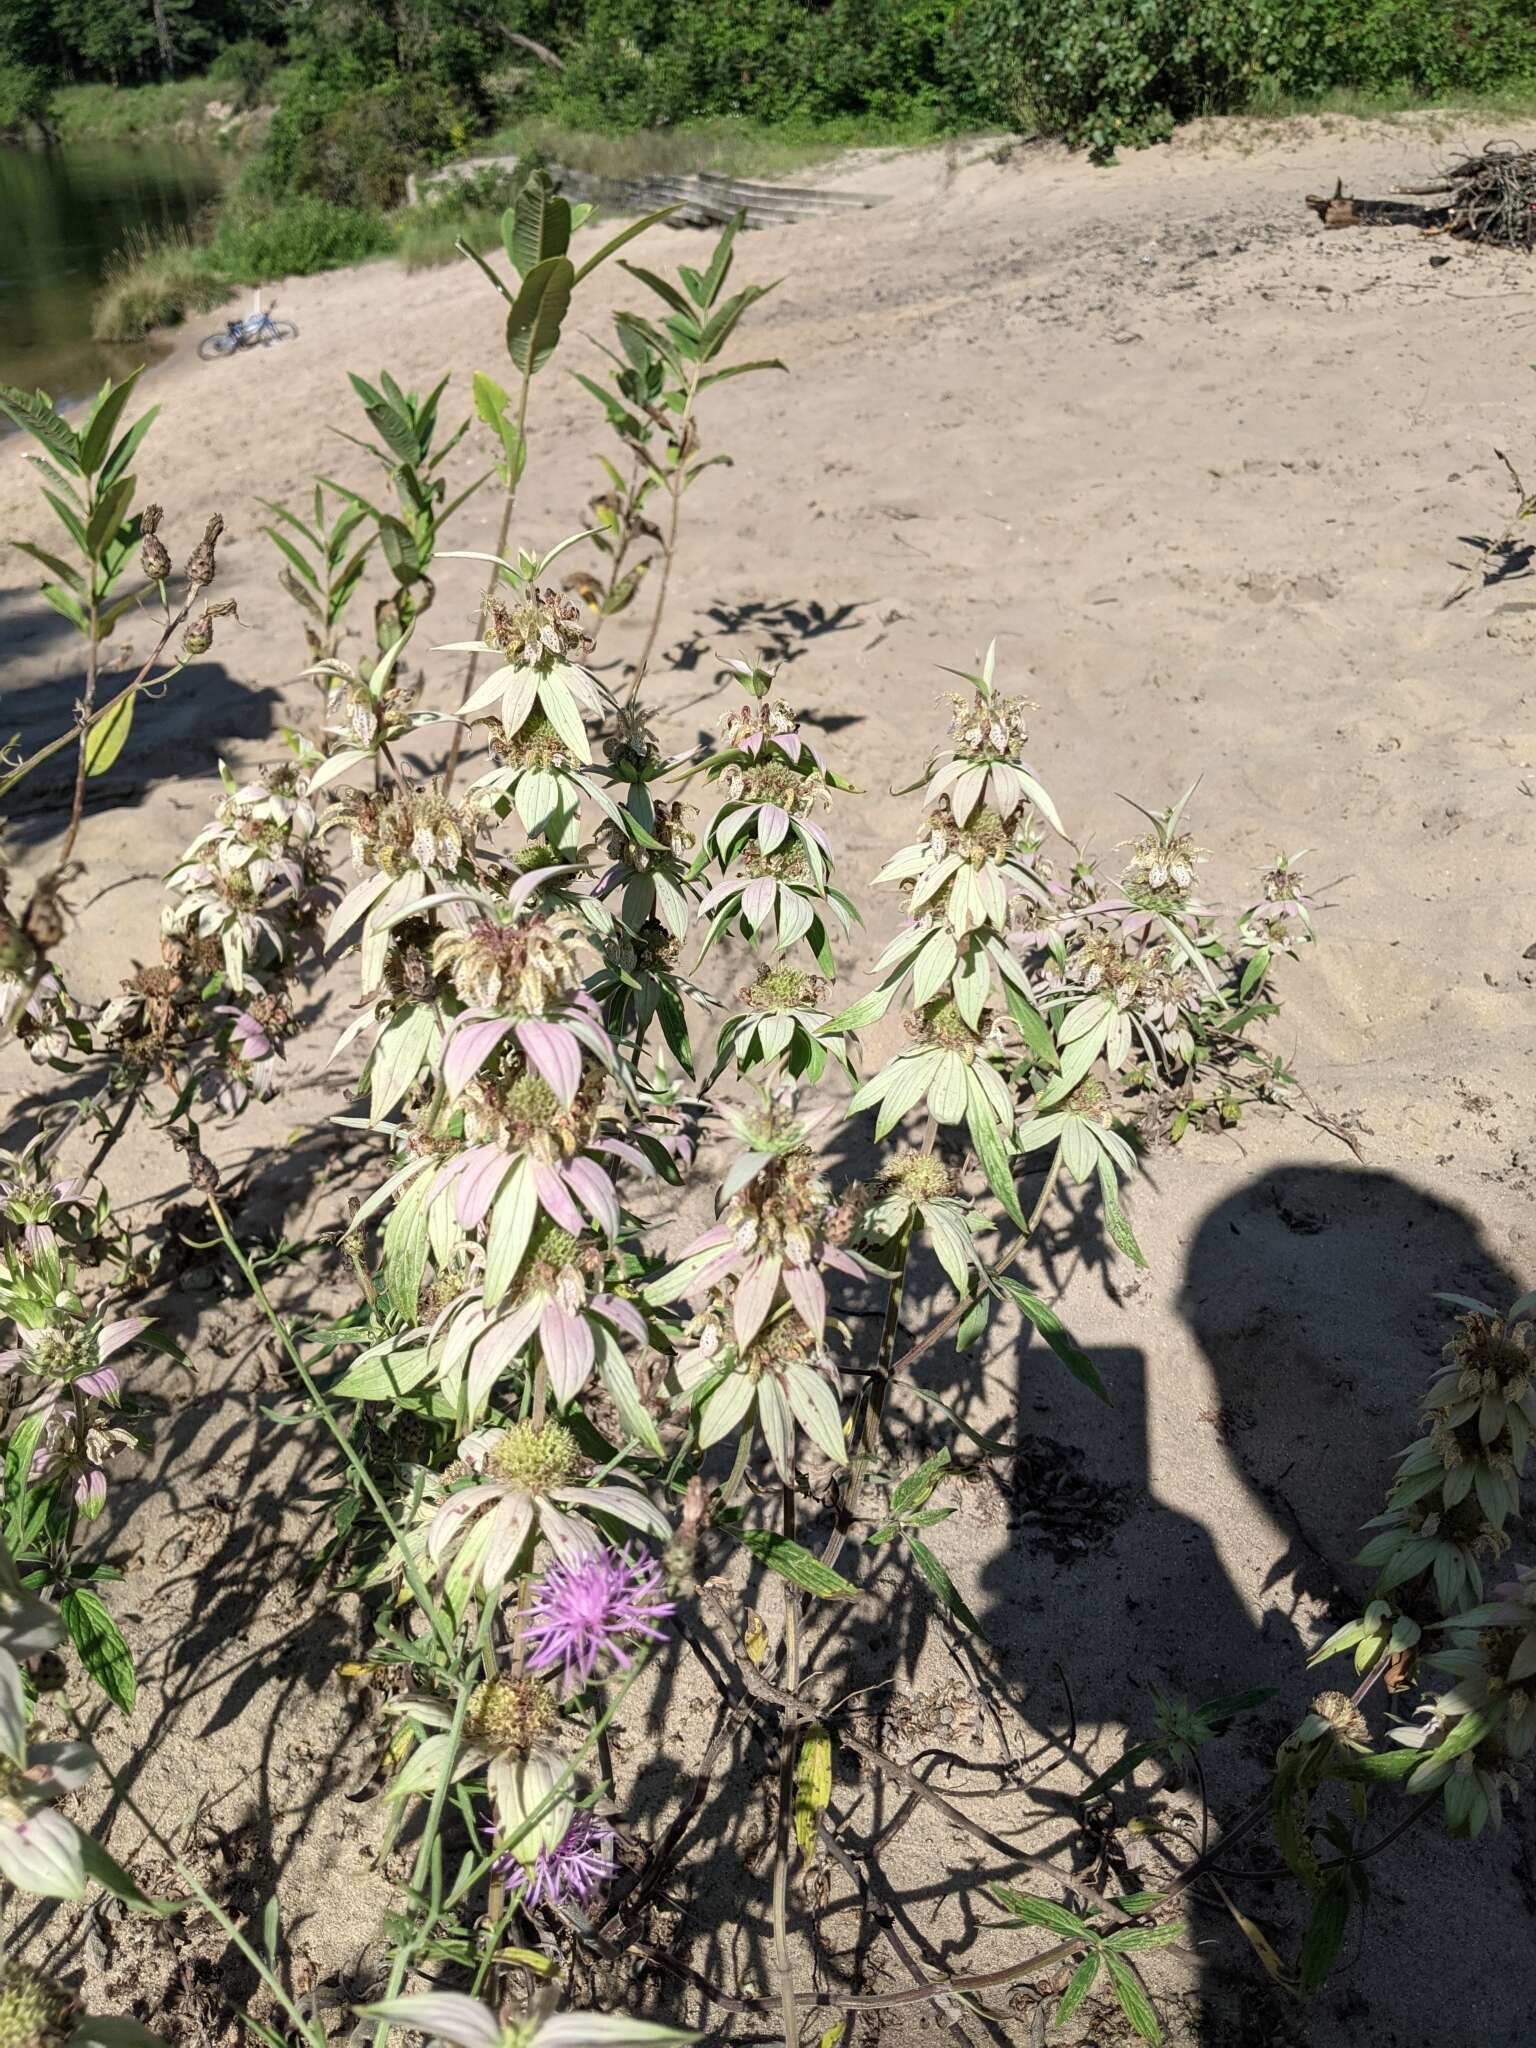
{"points": [[371, 89], [1111, 73], [638, 62]]}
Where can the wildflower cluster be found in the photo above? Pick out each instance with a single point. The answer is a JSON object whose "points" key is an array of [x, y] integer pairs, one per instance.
{"points": [[777, 863], [756, 1346]]}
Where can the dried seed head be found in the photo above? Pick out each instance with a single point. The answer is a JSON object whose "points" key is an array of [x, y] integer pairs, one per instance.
{"points": [[525, 966], [201, 567], [198, 637], [34, 2011], [43, 919], [535, 1459], [154, 558], [919, 1176], [994, 725], [1344, 1718], [1164, 864], [542, 627], [509, 1715]]}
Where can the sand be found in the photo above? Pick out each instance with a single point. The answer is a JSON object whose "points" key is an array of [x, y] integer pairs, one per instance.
{"points": [[1208, 474]]}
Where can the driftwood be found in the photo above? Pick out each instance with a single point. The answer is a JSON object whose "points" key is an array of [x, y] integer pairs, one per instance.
{"points": [[1338, 210], [1487, 198]]}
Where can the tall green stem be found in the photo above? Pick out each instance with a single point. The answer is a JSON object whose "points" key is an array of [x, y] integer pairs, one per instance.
{"points": [[327, 1414], [472, 666], [675, 484], [787, 1741]]}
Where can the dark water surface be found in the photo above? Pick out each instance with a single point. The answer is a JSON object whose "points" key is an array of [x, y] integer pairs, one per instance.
{"points": [[63, 214]]}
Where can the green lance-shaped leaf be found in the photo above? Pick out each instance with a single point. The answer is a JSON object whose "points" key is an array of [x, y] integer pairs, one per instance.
{"points": [[36, 414], [942, 1585], [538, 313], [537, 226], [793, 1562], [100, 1643], [107, 737], [101, 422], [1134, 2002]]}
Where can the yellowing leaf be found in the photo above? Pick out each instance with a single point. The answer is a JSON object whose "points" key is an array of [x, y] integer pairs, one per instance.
{"points": [[754, 1636], [813, 1784], [106, 738]]}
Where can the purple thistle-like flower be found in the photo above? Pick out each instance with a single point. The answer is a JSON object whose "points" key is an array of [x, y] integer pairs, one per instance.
{"points": [[586, 1609], [577, 1867]]}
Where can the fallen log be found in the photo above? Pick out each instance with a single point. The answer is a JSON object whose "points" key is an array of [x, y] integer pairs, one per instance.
{"points": [[1339, 210], [1489, 198]]}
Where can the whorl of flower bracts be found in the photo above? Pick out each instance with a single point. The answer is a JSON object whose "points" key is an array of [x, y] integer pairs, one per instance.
{"points": [[1458, 1486], [60, 1372], [1490, 1655], [756, 1343], [777, 864], [246, 898], [252, 878], [534, 707]]}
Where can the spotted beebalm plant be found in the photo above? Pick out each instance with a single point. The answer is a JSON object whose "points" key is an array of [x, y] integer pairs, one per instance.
{"points": [[777, 892]]}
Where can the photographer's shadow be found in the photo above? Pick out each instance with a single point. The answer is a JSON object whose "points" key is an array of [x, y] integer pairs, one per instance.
{"points": [[1309, 1294]]}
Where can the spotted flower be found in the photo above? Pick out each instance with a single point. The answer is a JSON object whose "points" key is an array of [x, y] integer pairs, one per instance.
{"points": [[74, 1386], [773, 1231], [519, 1483], [506, 1736], [559, 1298]]}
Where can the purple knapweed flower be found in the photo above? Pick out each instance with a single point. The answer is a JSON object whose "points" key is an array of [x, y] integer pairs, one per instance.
{"points": [[587, 1608], [577, 1867]]}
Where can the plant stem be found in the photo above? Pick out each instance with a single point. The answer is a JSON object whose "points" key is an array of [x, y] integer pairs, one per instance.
{"points": [[327, 1414], [46, 753], [947, 1322], [472, 666], [675, 484], [787, 1734], [84, 709]]}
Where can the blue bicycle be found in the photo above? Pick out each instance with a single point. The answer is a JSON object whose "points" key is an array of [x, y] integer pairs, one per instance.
{"points": [[257, 330]]}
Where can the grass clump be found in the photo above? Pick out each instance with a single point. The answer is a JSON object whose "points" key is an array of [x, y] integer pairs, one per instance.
{"points": [[156, 281], [159, 280], [128, 113]]}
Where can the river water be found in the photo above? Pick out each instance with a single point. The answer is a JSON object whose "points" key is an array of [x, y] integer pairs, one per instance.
{"points": [[63, 214]]}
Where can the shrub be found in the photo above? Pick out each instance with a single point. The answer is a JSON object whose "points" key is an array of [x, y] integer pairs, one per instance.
{"points": [[1107, 74], [357, 146], [248, 66], [644, 62], [158, 280], [295, 239], [23, 97]]}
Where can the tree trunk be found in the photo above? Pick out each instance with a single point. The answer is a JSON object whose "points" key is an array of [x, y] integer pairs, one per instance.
{"points": [[163, 38]]}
